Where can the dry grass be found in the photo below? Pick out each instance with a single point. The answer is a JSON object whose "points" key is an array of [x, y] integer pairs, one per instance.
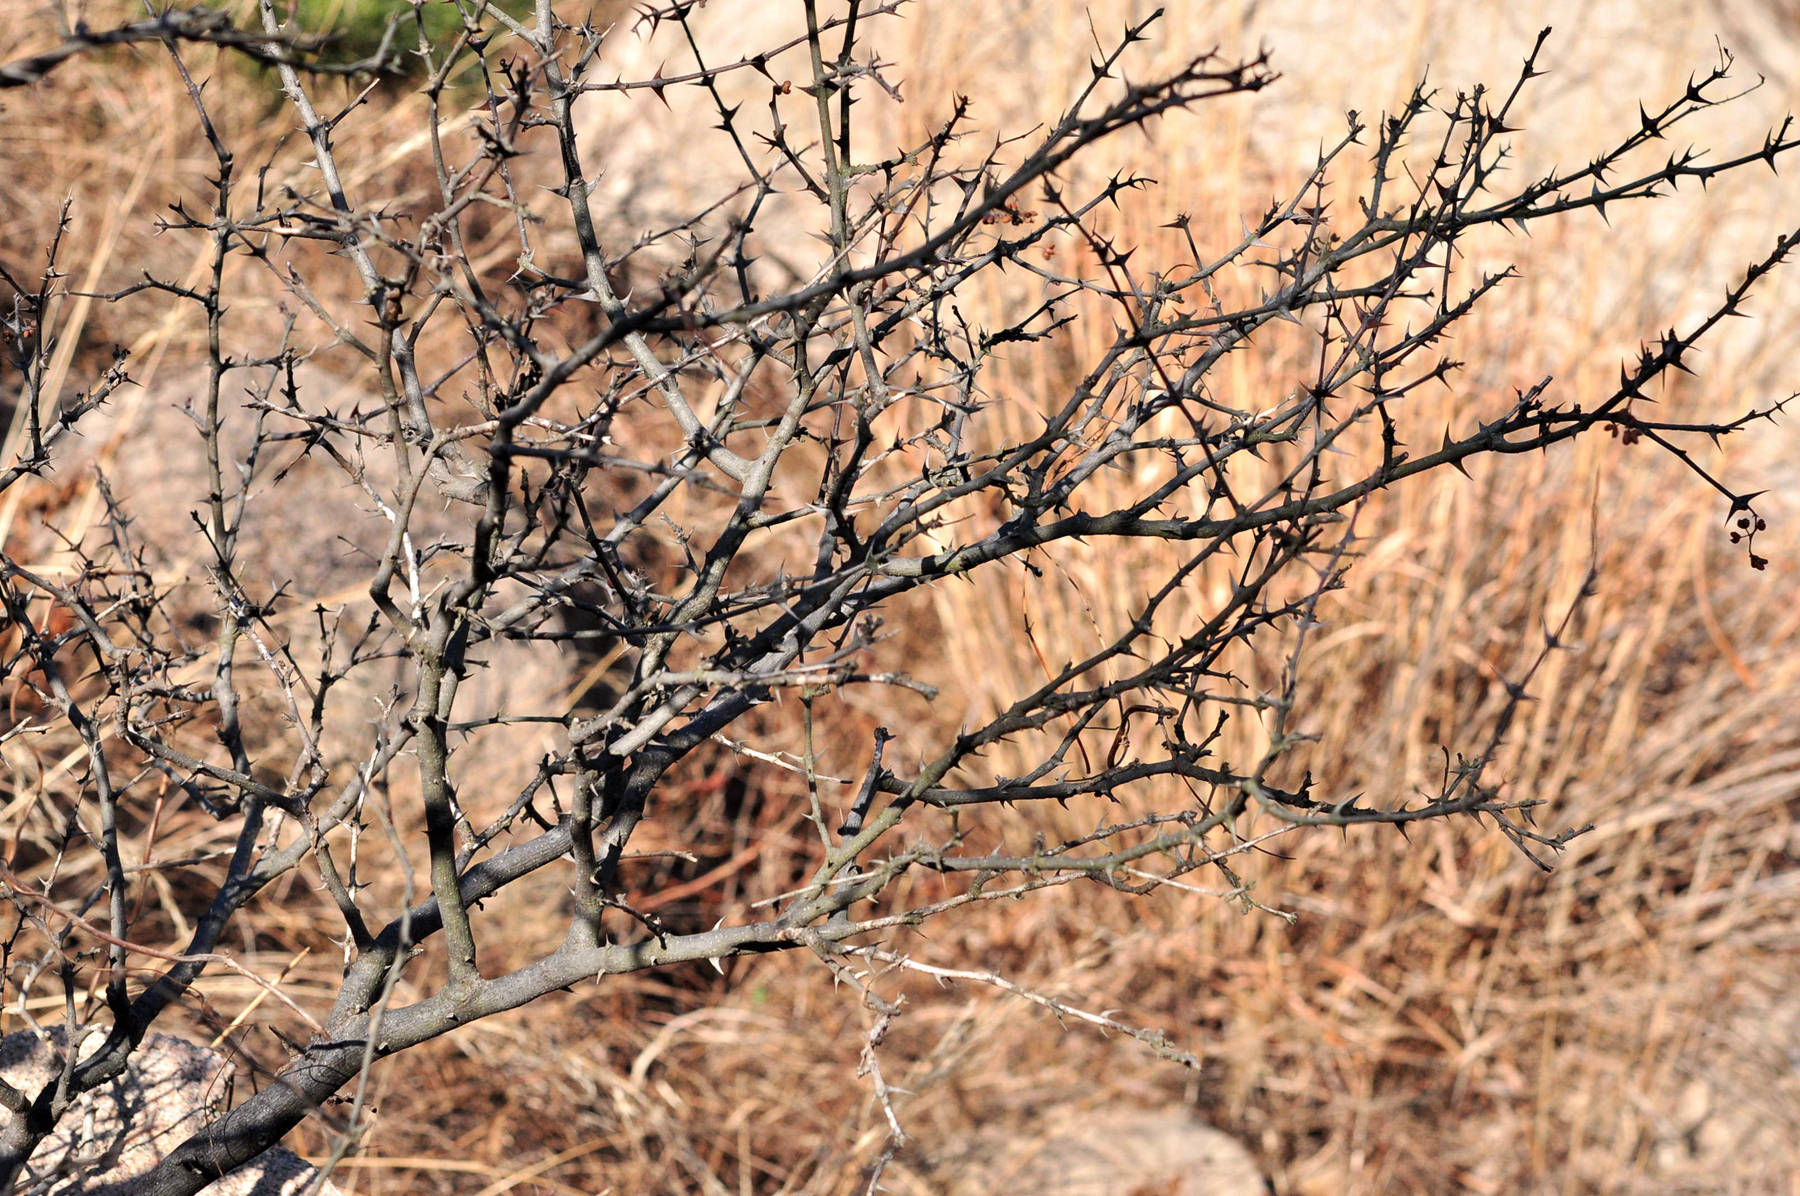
{"points": [[1442, 1017]]}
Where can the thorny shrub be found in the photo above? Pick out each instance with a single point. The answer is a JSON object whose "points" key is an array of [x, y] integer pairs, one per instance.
{"points": [[708, 462]]}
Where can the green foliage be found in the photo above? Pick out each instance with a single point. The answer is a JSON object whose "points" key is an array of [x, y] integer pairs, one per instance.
{"points": [[357, 26]]}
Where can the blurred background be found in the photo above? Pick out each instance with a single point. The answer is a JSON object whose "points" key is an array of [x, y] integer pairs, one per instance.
{"points": [[1442, 1016]]}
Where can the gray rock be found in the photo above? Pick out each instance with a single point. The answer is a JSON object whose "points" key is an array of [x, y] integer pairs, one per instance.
{"points": [[1117, 1151], [118, 1132]]}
